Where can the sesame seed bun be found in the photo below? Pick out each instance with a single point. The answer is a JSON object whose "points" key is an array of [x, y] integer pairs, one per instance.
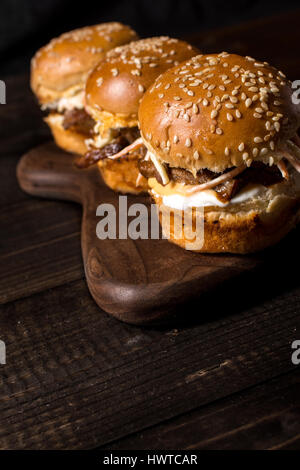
{"points": [[117, 84], [66, 139], [114, 90], [244, 227], [218, 111], [61, 67]]}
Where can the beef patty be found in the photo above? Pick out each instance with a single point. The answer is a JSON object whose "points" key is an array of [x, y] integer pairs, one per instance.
{"points": [[258, 173]]}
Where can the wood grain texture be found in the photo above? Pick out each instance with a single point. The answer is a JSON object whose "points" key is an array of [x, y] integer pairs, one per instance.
{"points": [[137, 281], [77, 378], [266, 416]]}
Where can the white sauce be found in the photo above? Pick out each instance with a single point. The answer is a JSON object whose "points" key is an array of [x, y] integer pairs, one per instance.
{"points": [[66, 103], [208, 198]]}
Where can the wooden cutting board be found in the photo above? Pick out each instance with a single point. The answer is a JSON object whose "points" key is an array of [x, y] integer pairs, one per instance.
{"points": [[137, 281]]}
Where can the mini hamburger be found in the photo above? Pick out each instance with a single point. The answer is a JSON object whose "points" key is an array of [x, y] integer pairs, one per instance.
{"points": [[221, 134], [113, 93], [58, 75]]}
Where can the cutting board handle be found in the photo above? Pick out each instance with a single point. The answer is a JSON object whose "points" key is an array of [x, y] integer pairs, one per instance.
{"points": [[48, 173]]}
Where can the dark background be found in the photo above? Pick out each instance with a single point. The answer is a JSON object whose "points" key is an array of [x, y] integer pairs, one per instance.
{"points": [[27, 25]]}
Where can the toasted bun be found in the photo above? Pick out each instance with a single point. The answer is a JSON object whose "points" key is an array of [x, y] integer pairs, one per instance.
{"points": [[121, 175], [117, 84], [68, 140], [62, 66], [241, 228], [218, 111]]}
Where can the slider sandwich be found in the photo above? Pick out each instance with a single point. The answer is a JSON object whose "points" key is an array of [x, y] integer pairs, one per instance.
{"points": [[221, 134], [58, 75], [113, 93]]}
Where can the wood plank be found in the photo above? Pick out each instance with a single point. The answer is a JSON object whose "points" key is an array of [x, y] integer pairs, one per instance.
{"points": [[266, 416], [76, 378]]}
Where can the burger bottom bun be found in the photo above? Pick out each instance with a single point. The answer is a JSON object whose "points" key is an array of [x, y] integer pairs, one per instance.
{"points": [[121, 175], [239, 231], [68, 140]]}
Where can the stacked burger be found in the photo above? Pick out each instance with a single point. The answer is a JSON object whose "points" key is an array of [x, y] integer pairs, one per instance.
{"points": [[221, 134], [58, 76], [114, 90]]}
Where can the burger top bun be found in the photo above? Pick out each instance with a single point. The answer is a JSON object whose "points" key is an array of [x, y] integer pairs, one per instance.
{"points": [[62, 66], [217, 111], [117, 84]]}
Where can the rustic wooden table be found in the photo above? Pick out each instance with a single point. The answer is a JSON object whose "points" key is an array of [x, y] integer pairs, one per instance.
{"points": [[77, 378]]}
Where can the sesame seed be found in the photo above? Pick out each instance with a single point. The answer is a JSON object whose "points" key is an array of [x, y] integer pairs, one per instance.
{"points": [[277, 103], [214, 114], [99, 81], [241, 146], [219, 131], [263, 151], [196, 155], [257, 140], [177, 98], [226, 151], [115, 72], [195, 109], [245, 155], [256, 115], [175, 139], [277, 126], [188, 142], [190, 93], [268, 125], [255, 152], [167, 86], [253, 88], [229, 105], [238, 114], [248, 102], [161, 95], [229, 117], [186, 117], [141, 88], [205, 102]]}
